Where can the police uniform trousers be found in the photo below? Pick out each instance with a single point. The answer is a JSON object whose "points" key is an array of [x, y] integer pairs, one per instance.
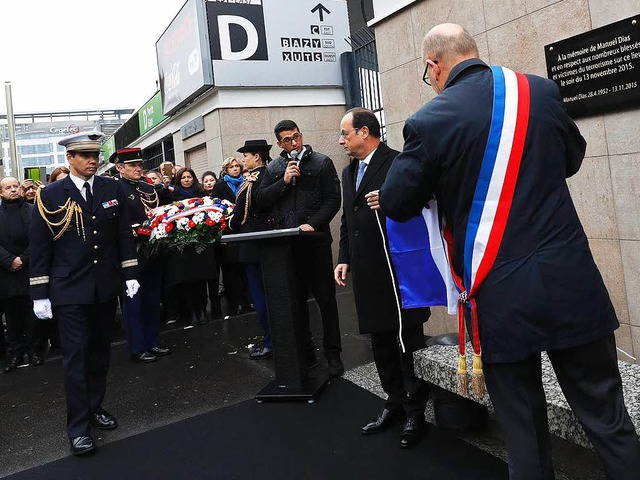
{"points": [[590, 380], [141, 314], [313, 264], [85, 336], [397, 377]]}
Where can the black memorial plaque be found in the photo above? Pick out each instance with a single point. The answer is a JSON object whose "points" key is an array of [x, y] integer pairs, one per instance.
{"points": [[598, 71]]}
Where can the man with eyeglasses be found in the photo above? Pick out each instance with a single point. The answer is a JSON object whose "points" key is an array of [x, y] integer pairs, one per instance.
{"points": [[28, 189], [495, 147], [81, 252], [302, 188]]}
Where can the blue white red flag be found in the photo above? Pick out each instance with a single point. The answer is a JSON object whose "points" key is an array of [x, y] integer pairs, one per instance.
{"points": [[419, 256]]}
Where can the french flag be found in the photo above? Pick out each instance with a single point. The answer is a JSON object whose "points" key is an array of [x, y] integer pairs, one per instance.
{"points": [[421, 265]]}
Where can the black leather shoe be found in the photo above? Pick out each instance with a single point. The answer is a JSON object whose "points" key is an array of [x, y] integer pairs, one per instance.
{"points": [[36, 360], [103, 420], [385, 419], [12, 365], [311, 361], [144, 357], [261, 353], [413, 432], [81, 445], [159, 351], [336, 368]]}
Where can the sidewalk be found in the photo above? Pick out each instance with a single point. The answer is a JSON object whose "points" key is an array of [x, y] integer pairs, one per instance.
{"points": [[209, 369]]}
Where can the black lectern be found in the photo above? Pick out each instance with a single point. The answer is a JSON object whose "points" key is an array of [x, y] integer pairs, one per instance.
{"points": [[292, 381]]}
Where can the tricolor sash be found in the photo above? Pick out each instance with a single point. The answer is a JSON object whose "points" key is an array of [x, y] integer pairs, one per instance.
{"points": [[492, 199]]}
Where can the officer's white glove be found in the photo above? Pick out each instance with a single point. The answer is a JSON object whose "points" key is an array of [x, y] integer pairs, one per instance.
{"points": [[132, 287], [42, 308]]}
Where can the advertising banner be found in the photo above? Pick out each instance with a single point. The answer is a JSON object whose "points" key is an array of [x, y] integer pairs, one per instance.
{"points": [[150, 114], [184, 62]]}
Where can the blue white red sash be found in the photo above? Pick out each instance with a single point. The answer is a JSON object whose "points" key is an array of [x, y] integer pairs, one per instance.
{"points": [[493, 197]]}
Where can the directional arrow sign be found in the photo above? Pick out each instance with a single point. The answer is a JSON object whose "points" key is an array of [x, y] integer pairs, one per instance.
{"points": [[321, 9]]}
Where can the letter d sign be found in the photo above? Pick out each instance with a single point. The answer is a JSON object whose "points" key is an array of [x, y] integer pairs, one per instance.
{"points": [[236, 31]]}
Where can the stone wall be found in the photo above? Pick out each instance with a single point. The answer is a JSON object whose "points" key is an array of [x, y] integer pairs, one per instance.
{"points": [[513, 33]]}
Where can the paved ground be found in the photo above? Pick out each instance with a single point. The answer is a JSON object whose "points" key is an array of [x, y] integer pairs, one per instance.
{"points": [[209, 369]]}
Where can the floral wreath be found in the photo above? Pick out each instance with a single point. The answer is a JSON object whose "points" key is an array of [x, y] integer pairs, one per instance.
{"points": [[193, 222]]}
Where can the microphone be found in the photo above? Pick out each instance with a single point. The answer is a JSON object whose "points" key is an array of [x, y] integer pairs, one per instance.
{"points": [[294, 156]]}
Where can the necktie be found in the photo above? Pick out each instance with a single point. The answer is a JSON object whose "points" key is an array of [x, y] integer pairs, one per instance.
{"points": [[88, 195], [361, 169]]}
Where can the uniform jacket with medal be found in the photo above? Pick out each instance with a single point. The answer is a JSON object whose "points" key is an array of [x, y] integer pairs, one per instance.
{"points": [[544, 291], [362, 247], [135, 191], [73, 270]]}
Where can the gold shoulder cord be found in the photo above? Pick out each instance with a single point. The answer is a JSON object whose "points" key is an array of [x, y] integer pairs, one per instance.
{"points": [[149, 200], [70, 208]]}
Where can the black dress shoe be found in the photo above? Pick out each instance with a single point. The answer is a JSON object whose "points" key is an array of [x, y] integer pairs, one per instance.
{"points": [[413, 432], [261, 353], [12, 365], [384, 419], [159, 351], [336, 368], [36, 360], [144, 357], [103, 420], [81, 445]]}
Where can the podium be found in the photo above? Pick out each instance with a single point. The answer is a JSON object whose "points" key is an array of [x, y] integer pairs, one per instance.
{"points": [[293, 381]]}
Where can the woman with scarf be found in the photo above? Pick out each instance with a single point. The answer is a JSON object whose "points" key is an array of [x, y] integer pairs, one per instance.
{"points": [[249, 217], [187, 273], [233, 277]]}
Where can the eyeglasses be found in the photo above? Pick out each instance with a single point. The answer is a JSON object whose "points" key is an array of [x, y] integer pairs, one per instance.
{"points": [[425, 75], [294, 137], [344, 134]]}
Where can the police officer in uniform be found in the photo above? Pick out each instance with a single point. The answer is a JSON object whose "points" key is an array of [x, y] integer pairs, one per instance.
{"points": [[81, 251], [142, 312]]}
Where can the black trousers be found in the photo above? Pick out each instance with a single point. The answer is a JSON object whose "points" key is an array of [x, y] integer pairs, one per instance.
{"points": [[395, 369], [21, 327], [85, 336], [590, 380], [313, 263]]}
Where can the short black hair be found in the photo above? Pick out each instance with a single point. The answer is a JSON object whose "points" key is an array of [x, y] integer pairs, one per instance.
{"points": [[207, 173], [283, 126], [366, 118]]}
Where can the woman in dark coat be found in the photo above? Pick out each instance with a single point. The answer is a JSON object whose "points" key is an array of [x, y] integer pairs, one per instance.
{"points": [[249, 217], [187, 273], [233, 275], [208, 183]]}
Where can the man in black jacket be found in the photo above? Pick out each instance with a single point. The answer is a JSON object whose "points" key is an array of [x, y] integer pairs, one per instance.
{"points": [[15, 217], [303, 190], [362, 252]]}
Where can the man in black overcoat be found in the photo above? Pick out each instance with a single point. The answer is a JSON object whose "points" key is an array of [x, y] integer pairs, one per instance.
{"points": [[362, 252], [15, 216], [82, 250], [544, 291]]}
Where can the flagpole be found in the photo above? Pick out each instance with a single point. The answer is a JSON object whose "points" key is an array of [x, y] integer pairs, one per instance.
{"points": [[13, 148]]}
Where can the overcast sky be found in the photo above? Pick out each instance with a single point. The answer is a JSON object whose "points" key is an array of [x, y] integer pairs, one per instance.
{"points": [[80, 54]]}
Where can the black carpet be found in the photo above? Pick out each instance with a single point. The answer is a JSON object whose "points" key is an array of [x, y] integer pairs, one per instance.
{"points": [[283, 440]]}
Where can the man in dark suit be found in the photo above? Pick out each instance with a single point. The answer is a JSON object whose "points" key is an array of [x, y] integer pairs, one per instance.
{"points": [[141, 314], [15, 216], [542, 290], [82, 249], [362, 252]]}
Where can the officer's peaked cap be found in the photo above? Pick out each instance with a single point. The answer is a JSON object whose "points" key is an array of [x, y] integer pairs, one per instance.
{"points": [[126, 155], [83, 141]]}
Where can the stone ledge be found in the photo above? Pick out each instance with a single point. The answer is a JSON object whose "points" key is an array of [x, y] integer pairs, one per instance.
{"points": [[438, 364]]}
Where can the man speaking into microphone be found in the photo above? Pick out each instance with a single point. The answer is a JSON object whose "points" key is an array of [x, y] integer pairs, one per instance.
{"points": [[302, 189]]}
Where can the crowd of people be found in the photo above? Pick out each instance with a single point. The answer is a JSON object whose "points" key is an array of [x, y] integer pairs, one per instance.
{"points": [[519, 256]]}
